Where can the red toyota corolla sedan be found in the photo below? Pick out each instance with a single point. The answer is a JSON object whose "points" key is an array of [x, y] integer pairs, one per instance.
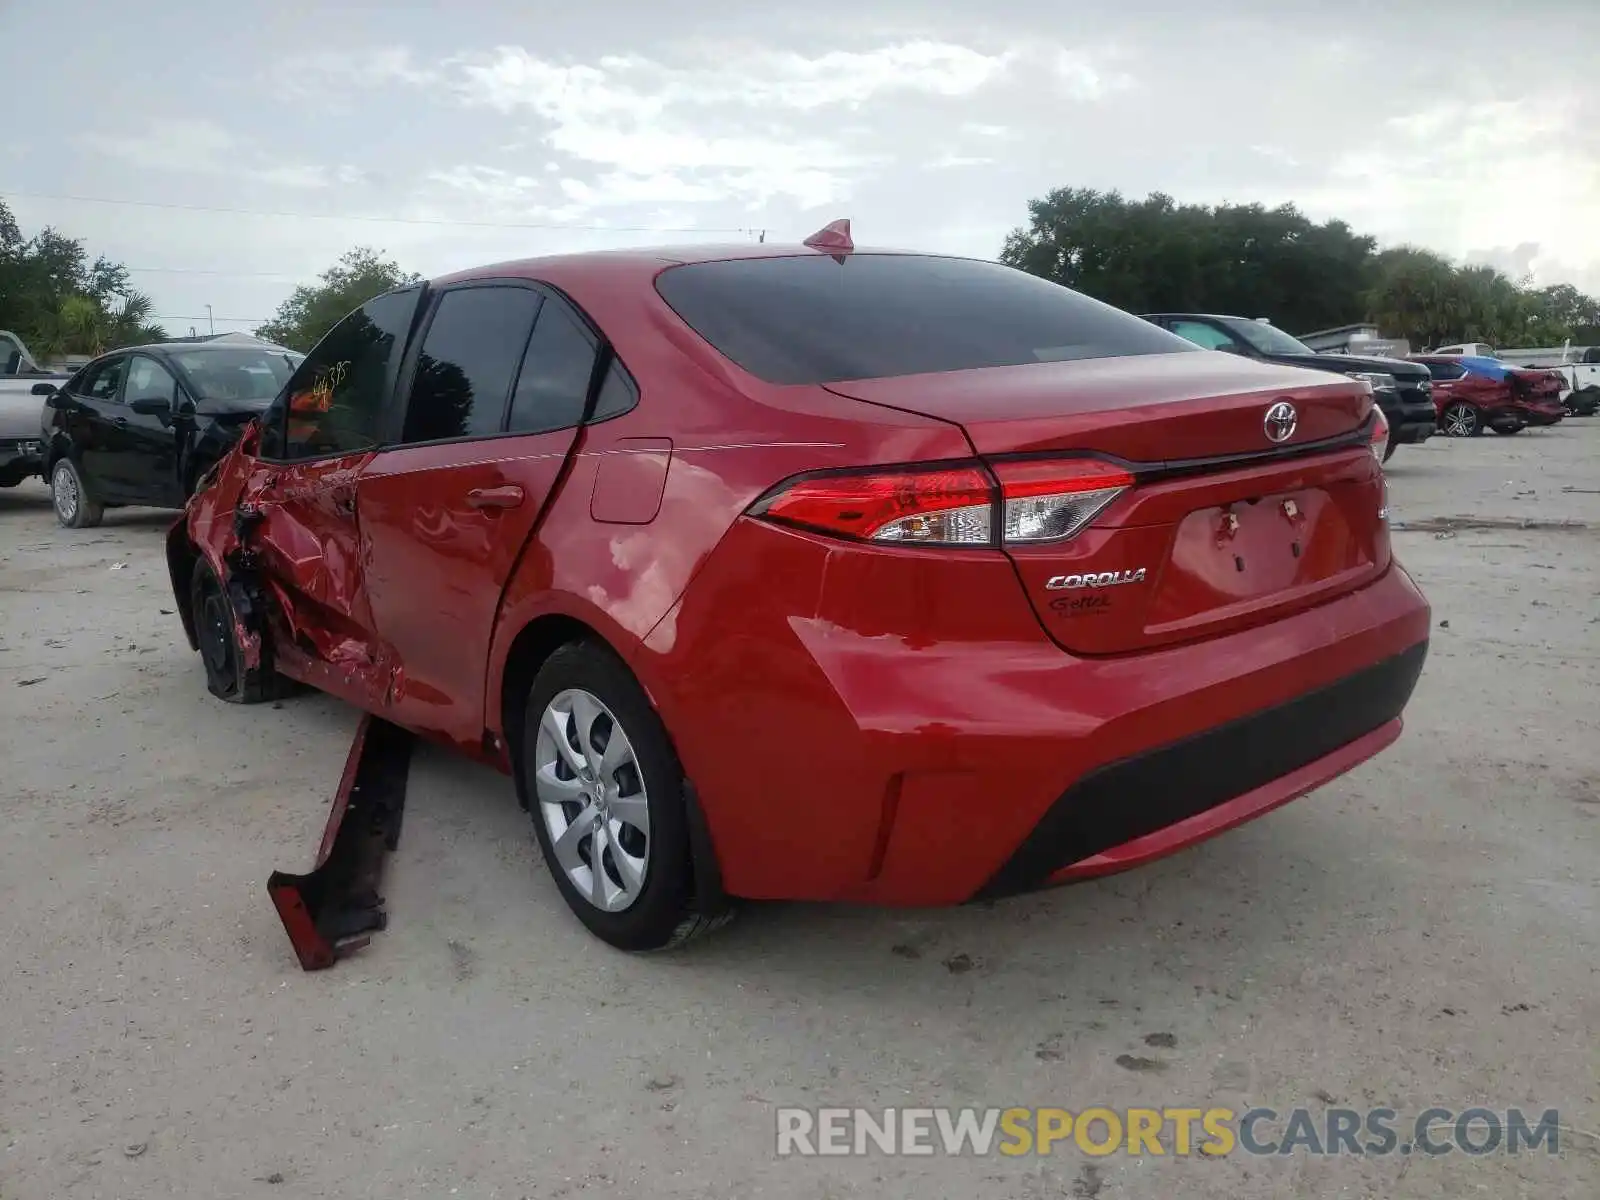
{"points": [[816, 573]]}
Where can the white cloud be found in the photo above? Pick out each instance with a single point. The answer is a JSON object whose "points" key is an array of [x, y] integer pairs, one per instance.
{"points": [[510, 77], [722, 128], [291, 176], [979, 129], [1460, 175], [167, 145], [201, 147], [313, 74], [1089, 75], [703, 121], [1276, 154]]}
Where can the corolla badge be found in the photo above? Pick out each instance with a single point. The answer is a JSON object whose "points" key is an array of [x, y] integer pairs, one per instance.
{"points": [[1103, 579], [1280, 421]]}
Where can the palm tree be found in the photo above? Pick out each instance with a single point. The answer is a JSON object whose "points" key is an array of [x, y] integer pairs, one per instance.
{"points": [[71, 326], [80, 324], [131, 325]]}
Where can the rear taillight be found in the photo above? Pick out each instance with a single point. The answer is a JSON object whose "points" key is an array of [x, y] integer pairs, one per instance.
{"points": [[957, 505], [1378, 439], [948, 507], [1050, 501]]}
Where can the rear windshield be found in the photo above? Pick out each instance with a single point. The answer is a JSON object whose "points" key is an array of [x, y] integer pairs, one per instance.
{"points": [[814, 319]]}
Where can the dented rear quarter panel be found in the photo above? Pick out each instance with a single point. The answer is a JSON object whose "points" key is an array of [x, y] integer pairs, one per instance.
{"points": [[728, 438]]}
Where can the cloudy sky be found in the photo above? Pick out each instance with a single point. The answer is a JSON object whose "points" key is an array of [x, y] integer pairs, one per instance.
{"points": [[491, 129]]}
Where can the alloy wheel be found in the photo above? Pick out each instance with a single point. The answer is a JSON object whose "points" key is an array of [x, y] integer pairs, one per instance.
{"points": [[64, 493], [1460, 420], [592, 799]]}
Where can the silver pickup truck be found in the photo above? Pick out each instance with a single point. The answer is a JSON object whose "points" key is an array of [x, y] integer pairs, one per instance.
{"points": [[23, 387]]}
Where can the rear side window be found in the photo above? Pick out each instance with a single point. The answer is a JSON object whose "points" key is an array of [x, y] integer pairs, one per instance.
{"points": [[337, 400], [1207, 337], [818, 319], [556, 373], [469, 358], [1445, 371], [618, 393]]}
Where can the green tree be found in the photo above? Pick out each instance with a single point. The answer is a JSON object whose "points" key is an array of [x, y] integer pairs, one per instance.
{"points": [[313, 309], [60, 302], [1562, 313], [1153, 254], [82, 324], [1413, 295]]}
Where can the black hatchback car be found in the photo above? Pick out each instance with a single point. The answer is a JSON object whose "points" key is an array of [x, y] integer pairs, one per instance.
{"points": [[141, 425]]}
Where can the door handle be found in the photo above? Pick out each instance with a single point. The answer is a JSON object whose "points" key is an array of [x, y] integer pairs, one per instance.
{"points": [[119, 420], [496, 497]]}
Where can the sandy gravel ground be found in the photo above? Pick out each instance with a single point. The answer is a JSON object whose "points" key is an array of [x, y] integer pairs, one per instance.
{"points": [[1426, 930]]}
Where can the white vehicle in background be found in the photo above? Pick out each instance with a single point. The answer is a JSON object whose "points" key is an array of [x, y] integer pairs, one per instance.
{"points": [[23, 387], [1579, 368], [1468, 350], [1580, 365]]}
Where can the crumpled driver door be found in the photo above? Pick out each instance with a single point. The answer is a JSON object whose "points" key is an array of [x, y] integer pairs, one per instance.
{"points": [[307, 539], [301, 522]]}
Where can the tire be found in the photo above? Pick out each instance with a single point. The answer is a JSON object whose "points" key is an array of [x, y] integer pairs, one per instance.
{"points": [[644, 899], [1389, 445], [220, 652], [1460, 420], [75, 506]]}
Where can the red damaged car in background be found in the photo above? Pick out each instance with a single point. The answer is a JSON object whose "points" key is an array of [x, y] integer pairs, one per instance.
{"points": [[815, 573], [1474, 392]]}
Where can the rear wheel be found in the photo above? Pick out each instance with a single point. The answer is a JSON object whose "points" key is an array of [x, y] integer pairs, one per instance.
{"points": [[1460, 420], [75, 506], [606, 793], [216, 625], [1389, 445]]}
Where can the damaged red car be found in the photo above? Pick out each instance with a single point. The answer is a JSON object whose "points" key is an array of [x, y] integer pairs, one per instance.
{"points": [[815, 573]]}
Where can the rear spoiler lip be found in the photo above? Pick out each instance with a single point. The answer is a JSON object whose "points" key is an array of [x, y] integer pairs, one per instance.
{"points": [[1149, 472]]}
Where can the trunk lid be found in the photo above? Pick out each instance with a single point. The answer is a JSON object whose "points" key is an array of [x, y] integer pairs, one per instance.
{"points": [[1146, 408], [1221, 528]]}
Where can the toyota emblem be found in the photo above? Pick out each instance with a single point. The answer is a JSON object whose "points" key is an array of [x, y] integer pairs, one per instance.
{"points": [[1280, 421]]}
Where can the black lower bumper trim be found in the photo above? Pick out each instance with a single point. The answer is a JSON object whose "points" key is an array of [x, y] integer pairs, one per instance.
{"points": [[1124, 800], [336, 907]]}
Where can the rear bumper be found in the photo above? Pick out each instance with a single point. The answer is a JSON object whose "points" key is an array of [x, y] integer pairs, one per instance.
{"points": [[20, 458], [1544, 413], [1154, 803], [906, 740]]}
